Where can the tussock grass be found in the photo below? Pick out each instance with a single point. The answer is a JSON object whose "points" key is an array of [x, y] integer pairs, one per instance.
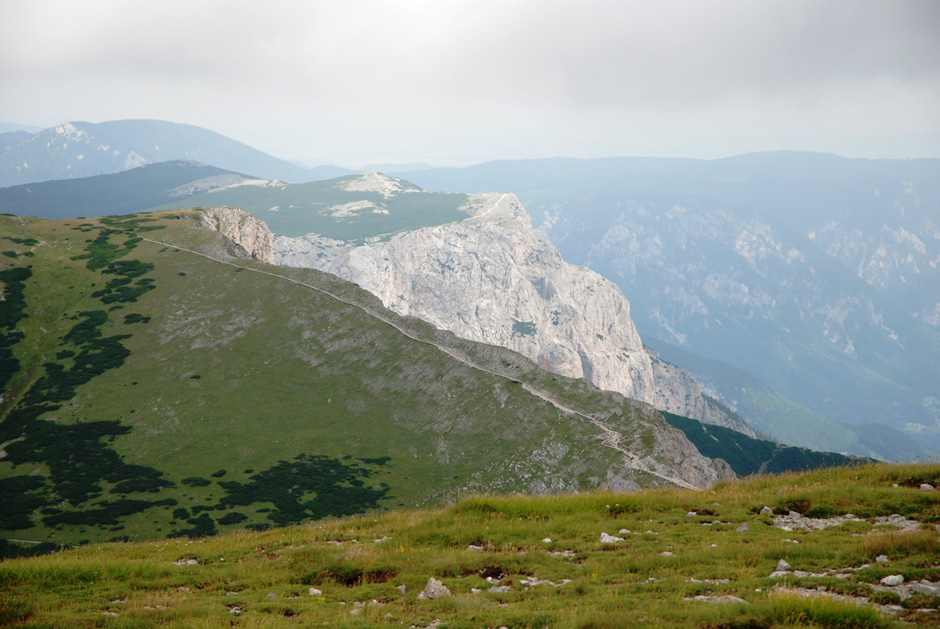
{"points": [[365, 558]]}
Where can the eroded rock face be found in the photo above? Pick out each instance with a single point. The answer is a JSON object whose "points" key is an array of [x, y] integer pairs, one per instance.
{"points": [[242, 228], [493, 278]]}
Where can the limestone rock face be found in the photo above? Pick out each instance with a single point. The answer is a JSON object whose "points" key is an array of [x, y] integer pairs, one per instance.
{"points": [[494, 278], [243, 229]]}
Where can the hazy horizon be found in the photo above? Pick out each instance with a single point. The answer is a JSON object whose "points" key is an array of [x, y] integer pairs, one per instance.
{"points": [[456, 83]]}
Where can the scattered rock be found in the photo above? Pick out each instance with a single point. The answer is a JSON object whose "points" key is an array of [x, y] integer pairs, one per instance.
{"points": [[314, 592], [379, 540], [183, 588], [610, 539], [881, 559], [402, 588], [794, 520], [783, 565], [355, 612], [476, 549], [776, 574], [434, 589], [727, 598], [186, 562], [499, 588], [625, 532], [666, 553], [766, 511], [109, 613], [742, 528], [231, 593], [926, 487], [898, 521], [235, 610], [691, 514], [271, 596], [563, 553], [892, 580], [547, 540], [475, 590]]}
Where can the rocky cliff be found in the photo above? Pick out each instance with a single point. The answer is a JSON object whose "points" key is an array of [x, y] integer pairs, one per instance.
{"points": [[494, 278], [242, 228]]}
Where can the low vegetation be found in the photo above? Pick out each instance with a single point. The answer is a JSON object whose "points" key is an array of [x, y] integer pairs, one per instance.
{"points": [[684, 559]]}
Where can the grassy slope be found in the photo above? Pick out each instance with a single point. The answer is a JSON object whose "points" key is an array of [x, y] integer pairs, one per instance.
{"points": [[236, 371], [266, 576], [748, 456]]}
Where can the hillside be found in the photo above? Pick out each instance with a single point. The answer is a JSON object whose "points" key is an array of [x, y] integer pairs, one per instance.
{"points": [[129, 191], [158, 382], [776, 551], [76, 149]]}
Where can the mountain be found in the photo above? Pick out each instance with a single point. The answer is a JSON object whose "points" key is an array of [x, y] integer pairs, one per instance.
{"points": [[159, 381], [816, 274], [770, 412], [472, 265], [119, 193], [81, 149]]}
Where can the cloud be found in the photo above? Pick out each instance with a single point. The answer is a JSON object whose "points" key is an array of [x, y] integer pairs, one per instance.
{"points": [[430, 68]]}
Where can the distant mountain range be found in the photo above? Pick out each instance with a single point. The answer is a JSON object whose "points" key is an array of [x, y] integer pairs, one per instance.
{"points": [[81, 149]]}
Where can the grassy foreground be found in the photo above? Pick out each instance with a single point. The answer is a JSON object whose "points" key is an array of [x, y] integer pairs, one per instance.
{"points": [[544, 552]]}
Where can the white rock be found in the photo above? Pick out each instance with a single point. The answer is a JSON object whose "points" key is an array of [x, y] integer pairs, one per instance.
{"points": [[609, 539], [783, 565], [547, 540], [881, 559], [402, 588], [624, 531], [767, 511], [892, 580], [246, 231], [476, 549], [186, 562], [691, 514], [742, 528], [314, 592], [499, 588], [666, 553], [434, 589], [926, 487]]}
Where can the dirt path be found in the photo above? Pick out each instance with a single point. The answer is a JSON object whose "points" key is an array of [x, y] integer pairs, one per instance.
{"points": [[612, 438]]}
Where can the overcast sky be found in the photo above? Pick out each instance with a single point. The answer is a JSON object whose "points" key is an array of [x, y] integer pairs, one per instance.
{"points": [[352, 82]]}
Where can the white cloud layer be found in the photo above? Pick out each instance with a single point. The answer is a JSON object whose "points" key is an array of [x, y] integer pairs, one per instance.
{"points": [[463, 81]]}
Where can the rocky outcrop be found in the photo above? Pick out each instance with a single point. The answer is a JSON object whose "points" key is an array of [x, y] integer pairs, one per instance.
{"points": [[493, 278], [242, 228]]}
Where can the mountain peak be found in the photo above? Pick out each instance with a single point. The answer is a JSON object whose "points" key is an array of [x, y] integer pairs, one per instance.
{"points": [[376, 182]]}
